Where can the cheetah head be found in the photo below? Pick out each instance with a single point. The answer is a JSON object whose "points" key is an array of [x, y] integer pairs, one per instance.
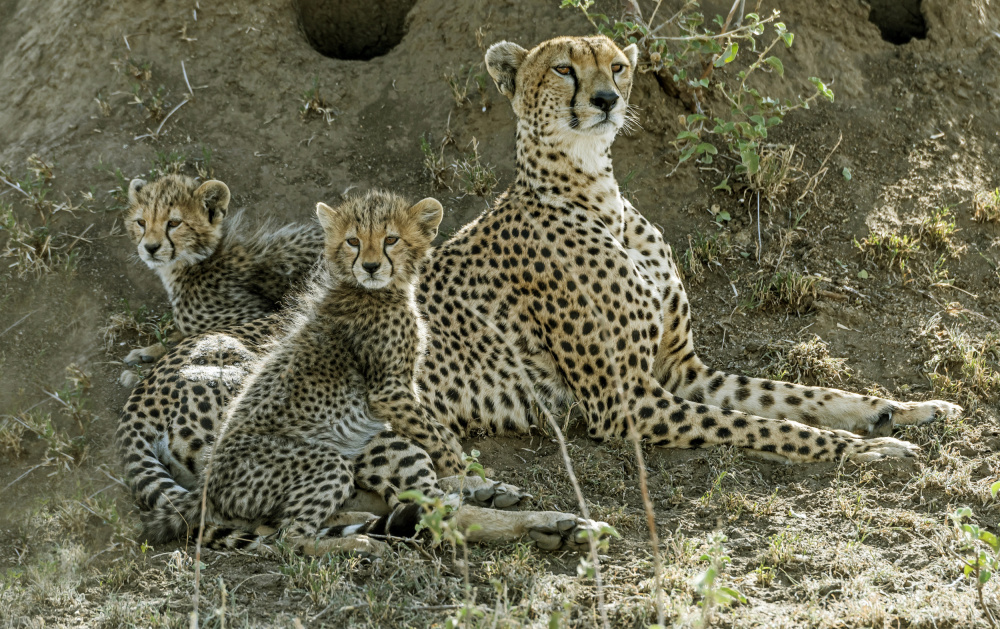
{"points": [[173, 220], [568, 87], [378, 240]]}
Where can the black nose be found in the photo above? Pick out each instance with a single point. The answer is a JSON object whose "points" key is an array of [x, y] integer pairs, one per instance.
{"points": [[371, 267], [152, 249], [604, 100]]}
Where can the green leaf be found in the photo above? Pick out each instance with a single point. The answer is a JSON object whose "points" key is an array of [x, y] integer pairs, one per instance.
{"points": [[995, 488], [751, 160], [687, 135], [724, 185], [846, 173], [984, 576], [990, 539], [723, 217], [733, 595], [787, 38], [705, 147], [822, 88], [693, 118], [728, 55], [863, 274], [775, 63], [412, 495]]}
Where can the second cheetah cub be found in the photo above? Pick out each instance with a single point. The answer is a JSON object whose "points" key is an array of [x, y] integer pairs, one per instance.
{"points": [[340, 373], [215, 273]]}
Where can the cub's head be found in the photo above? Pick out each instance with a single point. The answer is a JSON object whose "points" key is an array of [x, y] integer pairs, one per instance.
{"points": [[378, 239], [566, 85], [174, 220]]}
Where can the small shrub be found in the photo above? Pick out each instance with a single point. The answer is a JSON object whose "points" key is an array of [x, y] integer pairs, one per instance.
{"points": [[987, 206], [809, 362]]}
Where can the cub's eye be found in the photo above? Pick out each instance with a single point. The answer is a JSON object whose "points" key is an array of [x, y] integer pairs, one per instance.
{"points": [[391, 240], [141, 222], [563, 70], [173, 224], [616, 67], [354, 242]]}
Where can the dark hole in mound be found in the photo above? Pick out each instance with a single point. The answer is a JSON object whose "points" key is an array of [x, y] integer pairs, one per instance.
{"points": [[898, 20], [354, 29]]}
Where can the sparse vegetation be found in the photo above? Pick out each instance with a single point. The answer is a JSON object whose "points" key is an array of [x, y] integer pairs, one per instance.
{"points": [[477, 178], [705, 250], [987, 206], [962, 367], [785, 289], [809, 362], [315, 105], [889, 250], [461, 84]]}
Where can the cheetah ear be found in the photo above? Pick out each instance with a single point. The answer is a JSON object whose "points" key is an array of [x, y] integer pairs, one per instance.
{"points": [[428, 214], [632, 52], [214, 196], [502, 61], [327, 217], [133, 189]]}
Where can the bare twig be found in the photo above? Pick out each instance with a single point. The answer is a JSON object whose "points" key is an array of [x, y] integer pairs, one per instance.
{"points": [[181, 104], [18, 322], [186, 82]]}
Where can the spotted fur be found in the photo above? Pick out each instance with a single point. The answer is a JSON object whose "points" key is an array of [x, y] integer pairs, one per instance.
{"points": [[216, 274], [563, 292]]}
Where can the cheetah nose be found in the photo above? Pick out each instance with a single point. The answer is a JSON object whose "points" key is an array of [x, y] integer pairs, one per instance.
{"points": [[604, 101], [153, 248], [371, 267]]}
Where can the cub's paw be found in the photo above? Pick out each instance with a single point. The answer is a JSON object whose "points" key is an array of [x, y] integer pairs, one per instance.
{"points": [[484, 492], [918, 413], [129, 379], [145, 355], [881, 448], [568, 532]]}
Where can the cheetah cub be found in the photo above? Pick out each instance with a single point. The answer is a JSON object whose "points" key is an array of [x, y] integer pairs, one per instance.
{"points": [[339, 374], [216, 274]]}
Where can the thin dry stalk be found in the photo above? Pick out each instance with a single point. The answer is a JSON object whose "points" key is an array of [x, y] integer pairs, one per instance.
{"points": [[820, 172], [647, 505]]}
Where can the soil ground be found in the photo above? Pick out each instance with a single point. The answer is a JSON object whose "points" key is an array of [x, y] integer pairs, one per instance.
{"points": [[95, 93]]}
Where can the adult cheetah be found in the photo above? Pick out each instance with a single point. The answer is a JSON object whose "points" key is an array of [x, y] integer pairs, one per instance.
{"points": [[308, 392], [564, 292], [216, 274]]}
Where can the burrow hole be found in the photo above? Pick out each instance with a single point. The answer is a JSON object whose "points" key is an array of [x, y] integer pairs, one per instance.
{"points": [[899, 21], [354, 29]]}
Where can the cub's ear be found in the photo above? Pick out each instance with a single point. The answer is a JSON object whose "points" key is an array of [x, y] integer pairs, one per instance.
{"points": [[214, 197], [428, 214], [133, 189], [502, 61], [328, 217], [632, 52]]}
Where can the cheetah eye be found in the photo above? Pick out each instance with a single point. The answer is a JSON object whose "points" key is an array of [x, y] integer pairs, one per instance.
{"points": [[616, 67], [563, 70], [141, 222], [354, 242], [391, 240], [173, 224]]}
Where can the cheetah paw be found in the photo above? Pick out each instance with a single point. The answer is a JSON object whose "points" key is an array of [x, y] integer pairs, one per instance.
{"points": [[145, 355], [129, 379], [883, 448], [570, 533], [919, 413], [483, 492]]}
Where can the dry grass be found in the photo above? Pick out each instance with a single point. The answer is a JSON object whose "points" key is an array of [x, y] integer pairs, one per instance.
{"points": [[808, 362], [986, 206]]}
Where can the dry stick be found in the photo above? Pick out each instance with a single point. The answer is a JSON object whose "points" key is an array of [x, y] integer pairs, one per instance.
{"points": [[814, 180], [186, 82], [204, 498], [523, 372], [181, 104], [647, 505]]}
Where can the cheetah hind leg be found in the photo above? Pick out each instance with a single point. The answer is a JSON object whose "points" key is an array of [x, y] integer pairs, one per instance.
{"points": [[550, 530]]}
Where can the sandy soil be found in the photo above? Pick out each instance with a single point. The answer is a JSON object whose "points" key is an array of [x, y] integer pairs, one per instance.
{"points": [[105, 91]]}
